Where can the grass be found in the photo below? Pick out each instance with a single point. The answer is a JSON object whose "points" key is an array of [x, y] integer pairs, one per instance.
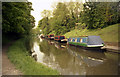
{"points": [[108, 34], [19, 56]]}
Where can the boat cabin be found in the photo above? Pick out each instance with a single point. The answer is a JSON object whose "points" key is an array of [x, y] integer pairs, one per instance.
{"points": [[51, 37], [60, 38], [86, 41]]}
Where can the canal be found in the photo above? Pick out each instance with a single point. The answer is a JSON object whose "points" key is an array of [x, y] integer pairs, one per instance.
{"points": [[71, 60]]}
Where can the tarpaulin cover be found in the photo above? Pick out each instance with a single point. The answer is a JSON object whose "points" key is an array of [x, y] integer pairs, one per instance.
{"points": [[94, 40]]}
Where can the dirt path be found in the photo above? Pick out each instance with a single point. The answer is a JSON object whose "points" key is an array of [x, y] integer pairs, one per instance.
{"points": [[7, 67], [112, 45]]}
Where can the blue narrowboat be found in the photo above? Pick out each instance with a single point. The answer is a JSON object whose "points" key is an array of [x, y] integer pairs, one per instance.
{"points": [[87, 41]]}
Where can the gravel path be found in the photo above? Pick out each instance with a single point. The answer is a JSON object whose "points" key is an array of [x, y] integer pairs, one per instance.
{"points": [[113, 47], [7, 67]]}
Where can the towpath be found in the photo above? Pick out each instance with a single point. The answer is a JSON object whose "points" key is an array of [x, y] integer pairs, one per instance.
{"points": [[7, 67], [113, 46]]}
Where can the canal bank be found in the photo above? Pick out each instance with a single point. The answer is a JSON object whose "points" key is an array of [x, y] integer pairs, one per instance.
{"points": [[21, 58]]}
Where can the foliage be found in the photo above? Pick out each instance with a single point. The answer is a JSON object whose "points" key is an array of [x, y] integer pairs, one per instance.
{"points": [[62, 20], [100, 14], [16, 18], [67, 16]]}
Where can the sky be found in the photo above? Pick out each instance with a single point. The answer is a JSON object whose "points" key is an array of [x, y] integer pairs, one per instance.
{"points": [[40, 5]]}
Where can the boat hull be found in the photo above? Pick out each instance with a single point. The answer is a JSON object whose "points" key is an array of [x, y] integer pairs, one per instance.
{"points": [[84, 45], [63, 41], [78, 44]]}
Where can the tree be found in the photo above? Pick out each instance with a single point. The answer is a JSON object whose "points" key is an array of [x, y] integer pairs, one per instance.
{"points": [[99, 14], [90, 15], [16, 18], [44, 22]]}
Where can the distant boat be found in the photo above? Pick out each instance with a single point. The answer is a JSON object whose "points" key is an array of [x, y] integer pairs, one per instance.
{"points": [[61, 39], [51, 36], [42, 36], [87, 41]]}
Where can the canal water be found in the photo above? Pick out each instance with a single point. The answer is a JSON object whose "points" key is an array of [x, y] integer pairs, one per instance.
{"points": [[71, 60]]}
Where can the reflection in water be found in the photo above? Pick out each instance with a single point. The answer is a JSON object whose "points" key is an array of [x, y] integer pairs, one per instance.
{"points": [[60, 46], [41, 40], [89, 60], [39, 55], [70, 60]]}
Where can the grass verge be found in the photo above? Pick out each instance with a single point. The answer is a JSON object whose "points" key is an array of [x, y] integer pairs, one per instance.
{"points": [[19, 56], [108, 34]]}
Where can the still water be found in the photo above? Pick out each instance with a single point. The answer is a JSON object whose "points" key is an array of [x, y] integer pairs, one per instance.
{"points": [[71, 60]]}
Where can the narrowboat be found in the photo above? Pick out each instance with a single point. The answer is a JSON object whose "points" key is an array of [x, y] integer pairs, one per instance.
{"points": [[51, 37], [42, 36], [86, 41], [60, 39]]}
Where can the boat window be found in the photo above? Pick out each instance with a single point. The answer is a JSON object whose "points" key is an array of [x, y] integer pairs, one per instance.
{"points": [[73, 40], [69, 39], [78, 39], [84, 40], [56, 37], [62, 37]]}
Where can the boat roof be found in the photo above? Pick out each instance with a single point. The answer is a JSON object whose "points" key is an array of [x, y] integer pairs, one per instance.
{"points": [[94, 40]]}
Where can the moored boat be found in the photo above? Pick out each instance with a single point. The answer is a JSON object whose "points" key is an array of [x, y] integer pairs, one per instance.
{"points": [[61, 39], [51, 37], [42, 36], [87, 41]]}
